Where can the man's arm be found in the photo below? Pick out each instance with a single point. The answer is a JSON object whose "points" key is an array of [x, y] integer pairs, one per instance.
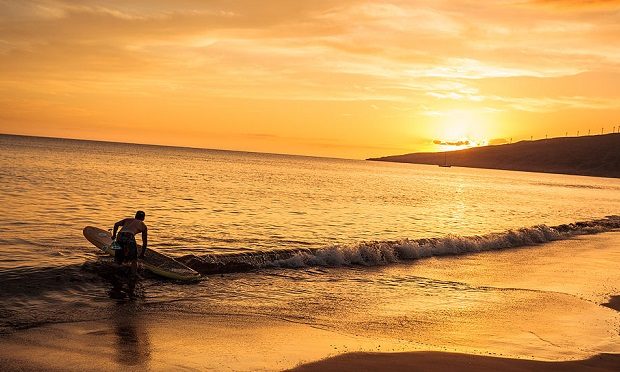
{"points": [[116, 226], [144, 241]]}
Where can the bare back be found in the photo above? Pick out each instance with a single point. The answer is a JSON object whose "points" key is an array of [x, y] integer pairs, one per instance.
{"points": [[133, 226]]}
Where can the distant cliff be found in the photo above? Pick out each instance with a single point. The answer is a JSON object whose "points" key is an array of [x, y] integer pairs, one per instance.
{"points": [[588, 156]]}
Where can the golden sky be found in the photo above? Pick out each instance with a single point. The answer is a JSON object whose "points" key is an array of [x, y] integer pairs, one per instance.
{"points": [[343, 78]]}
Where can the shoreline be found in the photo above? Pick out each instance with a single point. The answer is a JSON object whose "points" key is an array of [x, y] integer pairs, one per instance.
{"points": [[442, 361], [562, 173], [557, 317]]}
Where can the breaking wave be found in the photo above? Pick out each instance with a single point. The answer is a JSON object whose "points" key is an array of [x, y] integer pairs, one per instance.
{"points": [[385, 252]]}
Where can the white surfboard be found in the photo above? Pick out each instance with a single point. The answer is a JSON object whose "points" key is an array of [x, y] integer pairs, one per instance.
{"points": [[154, 261]]}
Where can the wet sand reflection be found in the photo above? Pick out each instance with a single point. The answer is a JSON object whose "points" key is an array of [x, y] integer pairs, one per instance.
{"points": [[133, 346]]}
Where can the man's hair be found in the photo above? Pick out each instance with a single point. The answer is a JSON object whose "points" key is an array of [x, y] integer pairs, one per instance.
{"points": [[140, 215]]}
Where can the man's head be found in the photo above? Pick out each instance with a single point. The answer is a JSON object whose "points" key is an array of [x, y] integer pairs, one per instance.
{"points": [[140, 215]]}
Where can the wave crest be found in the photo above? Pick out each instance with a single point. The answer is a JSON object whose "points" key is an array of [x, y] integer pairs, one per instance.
{"points": [[386, 252]]}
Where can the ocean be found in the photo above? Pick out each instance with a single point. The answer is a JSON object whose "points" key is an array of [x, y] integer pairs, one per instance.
{"points": [[414, 254]]}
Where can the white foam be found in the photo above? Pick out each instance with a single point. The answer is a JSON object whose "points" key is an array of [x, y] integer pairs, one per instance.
{"points": [[382, 253], [386, 252]]}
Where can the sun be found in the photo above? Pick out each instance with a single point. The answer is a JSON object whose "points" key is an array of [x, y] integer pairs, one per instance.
{"points": [[458, 129]]}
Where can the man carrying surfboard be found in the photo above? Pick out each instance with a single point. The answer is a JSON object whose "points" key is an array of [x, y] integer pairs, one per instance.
{"points": [[127, 240]]}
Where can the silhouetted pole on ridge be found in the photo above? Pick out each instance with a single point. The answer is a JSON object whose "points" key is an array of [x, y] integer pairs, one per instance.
{"points": [[615, 129]]}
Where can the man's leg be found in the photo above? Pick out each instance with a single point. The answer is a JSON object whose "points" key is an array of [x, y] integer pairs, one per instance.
{"points": [[118, 274], [134, 267], [133, 276]]}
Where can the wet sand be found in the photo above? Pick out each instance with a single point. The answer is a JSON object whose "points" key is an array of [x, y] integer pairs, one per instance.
{"points": [[440, 362], [172, 342], [240, 343]]}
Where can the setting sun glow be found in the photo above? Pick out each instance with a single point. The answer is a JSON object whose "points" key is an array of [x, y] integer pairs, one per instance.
{"points": [[332, 78], [461, 129]]}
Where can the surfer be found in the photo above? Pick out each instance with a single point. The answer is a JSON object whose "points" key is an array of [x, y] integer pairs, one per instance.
{"points": [[127, 240]]}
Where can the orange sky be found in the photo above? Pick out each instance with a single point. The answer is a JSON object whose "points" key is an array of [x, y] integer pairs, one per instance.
{"points": [[342, 78]]}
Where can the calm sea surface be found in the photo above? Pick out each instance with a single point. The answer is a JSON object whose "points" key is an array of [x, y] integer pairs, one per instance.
{"points": [[205, 203]]}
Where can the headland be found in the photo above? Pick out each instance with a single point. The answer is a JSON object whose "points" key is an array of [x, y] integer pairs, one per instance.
{"points": [[587, 156]]}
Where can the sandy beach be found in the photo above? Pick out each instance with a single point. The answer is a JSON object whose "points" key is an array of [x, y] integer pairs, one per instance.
{"points": [[545, 330], [160, 342], [241, 343]]}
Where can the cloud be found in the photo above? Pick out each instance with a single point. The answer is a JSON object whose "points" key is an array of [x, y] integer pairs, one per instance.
{"points": [[448, 143], [579, 4], [550, 104]]}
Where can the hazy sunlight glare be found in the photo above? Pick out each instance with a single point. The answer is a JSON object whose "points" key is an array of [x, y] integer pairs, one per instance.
{"points": [[331, 78]]}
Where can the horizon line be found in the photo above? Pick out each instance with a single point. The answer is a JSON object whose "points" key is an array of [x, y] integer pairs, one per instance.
{"points": [[176, 146]]}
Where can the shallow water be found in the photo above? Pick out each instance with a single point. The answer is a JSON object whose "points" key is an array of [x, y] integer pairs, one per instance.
{"points": [[335, 239]]}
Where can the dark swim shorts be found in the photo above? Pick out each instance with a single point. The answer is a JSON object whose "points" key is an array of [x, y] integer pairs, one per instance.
{"points": [[129, 248]]}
